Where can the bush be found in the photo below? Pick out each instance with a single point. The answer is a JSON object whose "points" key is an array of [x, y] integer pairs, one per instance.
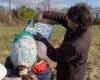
{"points": [[25, 13]]}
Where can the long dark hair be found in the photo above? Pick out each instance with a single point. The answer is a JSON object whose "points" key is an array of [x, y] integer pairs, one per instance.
{"points": [[81, 14]]}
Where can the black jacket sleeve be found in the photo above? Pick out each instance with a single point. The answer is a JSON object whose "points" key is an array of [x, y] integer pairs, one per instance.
{"points": [[8, 63], [11, 72], [64, 53], [56, 16]]}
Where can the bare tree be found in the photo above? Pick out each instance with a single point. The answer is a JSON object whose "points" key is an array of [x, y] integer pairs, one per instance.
{"points": [[96, 11], [10, 17], [48, 4]]}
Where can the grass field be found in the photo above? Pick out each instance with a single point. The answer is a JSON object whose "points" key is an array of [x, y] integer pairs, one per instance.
{"points": [[7, 35]]}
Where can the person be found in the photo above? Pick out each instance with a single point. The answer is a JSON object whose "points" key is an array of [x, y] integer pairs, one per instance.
{"points": [[42, 70], [71, 56], [23, 56], [27, 59], [39, 71]]}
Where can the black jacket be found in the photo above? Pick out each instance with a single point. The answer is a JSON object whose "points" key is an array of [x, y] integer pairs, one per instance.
{"points": [[71, 56]]}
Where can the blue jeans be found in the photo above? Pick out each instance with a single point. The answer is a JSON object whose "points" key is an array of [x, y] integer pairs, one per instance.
{"points": [[44, 75]]}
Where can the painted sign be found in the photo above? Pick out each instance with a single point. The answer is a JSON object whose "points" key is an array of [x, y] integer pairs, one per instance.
{"points": [[44, 29]]}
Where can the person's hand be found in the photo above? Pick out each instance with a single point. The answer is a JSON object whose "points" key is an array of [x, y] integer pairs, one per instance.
{"points": [[38, 36]]}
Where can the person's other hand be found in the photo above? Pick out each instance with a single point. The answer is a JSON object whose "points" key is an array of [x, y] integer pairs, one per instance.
{"points": [[38, 36]]}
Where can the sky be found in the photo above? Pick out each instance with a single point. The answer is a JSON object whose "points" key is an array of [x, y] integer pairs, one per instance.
{"points": [[55, 3]]}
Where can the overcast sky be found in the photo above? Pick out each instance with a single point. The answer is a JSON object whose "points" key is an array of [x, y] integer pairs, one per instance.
{"points": [[55, 3]]}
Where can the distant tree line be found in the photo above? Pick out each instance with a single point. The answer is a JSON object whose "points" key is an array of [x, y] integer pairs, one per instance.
{"points": [[96, 15], [22, 14], [18, 16]]}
